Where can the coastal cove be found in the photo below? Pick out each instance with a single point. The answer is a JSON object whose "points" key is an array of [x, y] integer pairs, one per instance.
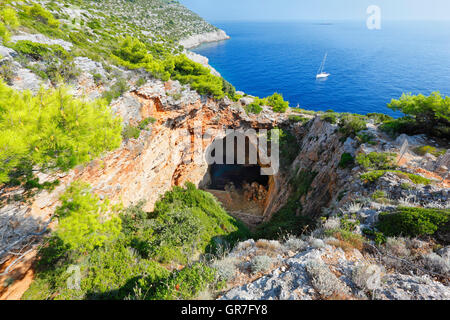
{"points": [[368, 68]]}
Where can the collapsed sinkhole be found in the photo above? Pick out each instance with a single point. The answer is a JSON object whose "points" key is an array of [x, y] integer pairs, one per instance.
{"points": [[236, 167], [237, 181]]}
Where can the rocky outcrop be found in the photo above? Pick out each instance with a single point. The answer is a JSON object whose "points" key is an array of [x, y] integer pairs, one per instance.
{"points": [[39, 38], [202, 60], [141, 169], [311, 269], [198, 39]]}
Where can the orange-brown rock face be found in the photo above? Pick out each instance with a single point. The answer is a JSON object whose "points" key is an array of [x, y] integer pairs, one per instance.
{"points": [[171, 151]]}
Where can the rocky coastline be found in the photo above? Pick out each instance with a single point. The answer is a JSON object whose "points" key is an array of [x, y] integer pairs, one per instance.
{"points": [[198, 39]]}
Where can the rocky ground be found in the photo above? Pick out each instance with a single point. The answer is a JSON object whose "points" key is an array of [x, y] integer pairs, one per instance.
{"points": [[310, 269]]}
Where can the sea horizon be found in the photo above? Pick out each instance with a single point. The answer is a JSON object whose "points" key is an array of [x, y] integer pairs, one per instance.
{"points": [[368, 68]]}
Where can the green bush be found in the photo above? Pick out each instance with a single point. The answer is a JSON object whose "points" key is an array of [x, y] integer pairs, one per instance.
{"points": [[412, 222], [347, 161], [85, 223], [253, 108], [295, 118], [143, 125], [365, 137], [379, 196], [38, 50], [117, 89], [351, 124], [376, 160], [329, 117], [277, 103], [131, 132], [379, 117], [187, 283], [52, 130], [8, 21], [429, 149], [374, 175], [134, 264], [42, 15], [6, 71], [429, 115]]}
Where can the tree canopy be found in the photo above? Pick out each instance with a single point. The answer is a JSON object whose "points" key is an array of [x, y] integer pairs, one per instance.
{"points": [[52, 130], [424, 114]]}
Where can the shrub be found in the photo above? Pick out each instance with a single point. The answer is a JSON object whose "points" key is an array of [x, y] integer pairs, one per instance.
{"points": [[379, 117], [430, 115], [379, 195], [365, 137], [261, 264], [376, 160], [42, 15], [329, 117], [347, 240], [52, 130], [323, 280], [295, 244], [367, 277], [84, 222], [351, 124], [6, 71], [39, 50], [412, 221], [144, 123], [428, 149], [117, 89], [184, 222], [8, 21], [397, 247], [374, 175], [253, 108], [277, 103], [378, 237], [225, 269], [437, 263], [131, 132], [347, 161], [185, 284], [295, 118]]}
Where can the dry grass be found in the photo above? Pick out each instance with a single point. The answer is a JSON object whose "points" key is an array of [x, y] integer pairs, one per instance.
{"points": [[347, 241]]}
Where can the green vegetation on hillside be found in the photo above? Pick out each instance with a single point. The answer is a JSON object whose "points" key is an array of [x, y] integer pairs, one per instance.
{"points": [[51, 130], [374, 175], [134, 54], [275, 101], [288, 219], [377, 160], [157, 255], [412, 222], [429, 115], [8, 21]]}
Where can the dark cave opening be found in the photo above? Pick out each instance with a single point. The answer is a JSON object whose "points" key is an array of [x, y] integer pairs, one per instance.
{"points": [[222, 175]]}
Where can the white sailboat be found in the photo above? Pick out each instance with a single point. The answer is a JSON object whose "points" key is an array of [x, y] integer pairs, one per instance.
{"points": [[321, 74]]}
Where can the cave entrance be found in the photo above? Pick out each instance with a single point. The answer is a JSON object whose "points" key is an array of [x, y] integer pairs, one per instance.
{"points": [[241, 188], [223, 175]]}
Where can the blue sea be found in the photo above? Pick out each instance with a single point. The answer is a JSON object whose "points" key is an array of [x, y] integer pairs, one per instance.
{"points": [[368, 67]]}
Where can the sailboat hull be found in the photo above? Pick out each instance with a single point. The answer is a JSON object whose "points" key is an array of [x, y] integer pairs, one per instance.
{"points": [[322, 75]]}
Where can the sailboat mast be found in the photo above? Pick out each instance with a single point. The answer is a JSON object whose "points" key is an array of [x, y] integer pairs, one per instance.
{"points": [[323, 64]]}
